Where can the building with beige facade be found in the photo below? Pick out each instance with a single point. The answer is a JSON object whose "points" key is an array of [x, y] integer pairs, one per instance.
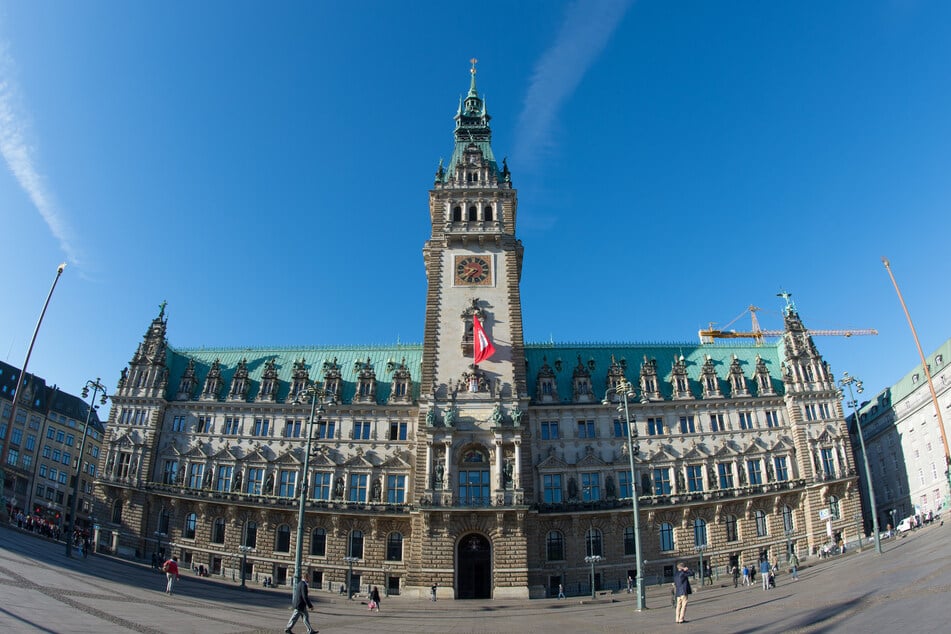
{"points": [[491, 480]]}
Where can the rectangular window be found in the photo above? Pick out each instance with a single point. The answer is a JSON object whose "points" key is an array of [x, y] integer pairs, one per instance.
{"points": [[716, 423], [325, 429], [810, 411], [50, 433], [47, 451], [655, 426], [292, 428], [321, 485], [824, 411], [16, 437], [56, 455], [396, 489], [178, 423], [60, 437], [662, 481], [782, 473], [585, 429], [552, 486], [225, 473], [624, 483], [53, 474], [67, 458], [195, 473], [42, 470], [255, 478], [287, 483], [397, 431], [590, 487], [361, 430], [358, 488], [746, 420], [620, 428], [170, 473], [261, 427], [474, 487], [694, 478], [686, 425], [828, 463], [62, 477], [232, 425], [753, 468], [27, 461], [205, 425], [725, 472], [31, 442], [70, 439], [550, 430], [772, 418]]}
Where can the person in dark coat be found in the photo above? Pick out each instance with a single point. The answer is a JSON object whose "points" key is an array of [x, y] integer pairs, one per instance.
{"points": [[682, 591], [301, 603]]}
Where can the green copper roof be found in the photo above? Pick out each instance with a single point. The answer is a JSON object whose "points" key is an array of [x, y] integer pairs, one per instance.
{"points": [[383, 359], [597, 359], [472, 127]]}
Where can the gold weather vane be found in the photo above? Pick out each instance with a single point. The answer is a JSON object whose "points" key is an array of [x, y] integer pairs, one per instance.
{"points": [[474, 61]]}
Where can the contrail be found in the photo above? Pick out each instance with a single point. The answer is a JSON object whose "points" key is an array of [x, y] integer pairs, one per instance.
{"points": [[585, 30], [19, 154]]}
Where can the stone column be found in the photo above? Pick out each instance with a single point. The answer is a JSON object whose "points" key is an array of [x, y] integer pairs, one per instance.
{"points": [[448, 465], [516, 479], [429, 465], [498, 464]]}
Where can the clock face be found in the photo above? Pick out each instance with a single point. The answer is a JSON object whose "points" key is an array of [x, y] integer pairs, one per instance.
{"points": [[473, 270]]}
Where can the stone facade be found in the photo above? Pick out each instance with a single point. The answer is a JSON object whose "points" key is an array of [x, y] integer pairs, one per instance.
{"points": [[494, 479]]}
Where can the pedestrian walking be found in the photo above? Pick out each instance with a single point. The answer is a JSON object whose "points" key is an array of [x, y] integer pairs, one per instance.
{"points": [[746, 575], [561, 591], [794, 566], [735, 570], [300, 601], [374, 599], [682, 591], [764, 572], [432, 591], [171, 574]]}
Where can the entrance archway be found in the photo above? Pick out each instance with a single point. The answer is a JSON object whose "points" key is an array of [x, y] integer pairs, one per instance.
{"points": [[474, 569]]}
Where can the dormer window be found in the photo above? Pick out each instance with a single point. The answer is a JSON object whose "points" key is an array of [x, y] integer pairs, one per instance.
{"points": [[400, 388]]}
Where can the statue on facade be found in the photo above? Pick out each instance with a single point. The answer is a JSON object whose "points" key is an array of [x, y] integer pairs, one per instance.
{"points": [[376, 491], [269, 484], [431, 417], [440, 472], [572, 489], [450, 416], [338, 488], [681, 486], [609, 487], [517, 415], [206, 484], [507, 475], [497, 414], [236, 486]]}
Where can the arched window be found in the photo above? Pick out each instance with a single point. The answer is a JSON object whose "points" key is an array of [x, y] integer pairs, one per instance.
{"points": [[788, 520], [356, 545], [666, 536], [630, 546], [218, 531], [251, 535], [732, 534], [117, 512], [834, 506], [473, 213], [394, 547], [487, 212], [761, 524], [593, 543], [555, 546], [699, 532], [282, 540], [163, 522], [457, 214], [188, 531], [318, 542]]}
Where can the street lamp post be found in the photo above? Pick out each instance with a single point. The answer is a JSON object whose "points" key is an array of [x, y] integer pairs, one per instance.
{"points": [[700, 564], [316, 395], [593, 559], [847, 382], [244, 564], [386, 583], [159, 535], [16, 392], [625, 390], [350, 561], [97, 387]]}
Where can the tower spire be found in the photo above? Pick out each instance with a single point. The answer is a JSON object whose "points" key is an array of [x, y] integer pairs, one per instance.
{"points": [[472, 84]]}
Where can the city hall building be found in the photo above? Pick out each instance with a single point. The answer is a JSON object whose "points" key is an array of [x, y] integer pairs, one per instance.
{"points": [[491, 480]]}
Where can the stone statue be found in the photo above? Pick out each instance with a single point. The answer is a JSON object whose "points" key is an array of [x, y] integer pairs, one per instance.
{"points": [[507, 475], [681, 486], [440, 472], [572, 489], [376, 492], [517, 415], [431, 417], [609, 487], [450, 416], [338, 488], [236, 487], [207, 480], [497, 414], [269, 484]]}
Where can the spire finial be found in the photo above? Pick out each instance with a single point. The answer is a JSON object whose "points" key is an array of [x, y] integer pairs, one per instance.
{"points": [[473, 61], [472, 84]]}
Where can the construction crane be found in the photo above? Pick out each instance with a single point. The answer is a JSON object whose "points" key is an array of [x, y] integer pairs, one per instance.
{"points": [[757, 333]]}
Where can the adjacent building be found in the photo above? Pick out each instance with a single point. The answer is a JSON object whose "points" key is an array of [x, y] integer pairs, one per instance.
{"points": [[493, 479], [906, 451], [43, 453]]}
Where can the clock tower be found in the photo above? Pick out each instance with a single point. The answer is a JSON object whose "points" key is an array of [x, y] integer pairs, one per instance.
{"points": [[472, 416]]}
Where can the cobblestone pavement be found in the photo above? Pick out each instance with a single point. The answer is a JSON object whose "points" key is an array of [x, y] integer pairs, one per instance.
{"points": [[41, 590]]}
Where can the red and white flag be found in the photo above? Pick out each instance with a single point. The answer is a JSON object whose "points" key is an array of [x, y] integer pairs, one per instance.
{"points": [[483, 348]]}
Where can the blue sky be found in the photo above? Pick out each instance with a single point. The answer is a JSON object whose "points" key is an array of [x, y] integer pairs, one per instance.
{"points": [[265, 169]]}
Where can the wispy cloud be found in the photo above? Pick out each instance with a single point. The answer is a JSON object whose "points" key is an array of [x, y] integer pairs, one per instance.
{"points": [[21, 156], [585, 30]]}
